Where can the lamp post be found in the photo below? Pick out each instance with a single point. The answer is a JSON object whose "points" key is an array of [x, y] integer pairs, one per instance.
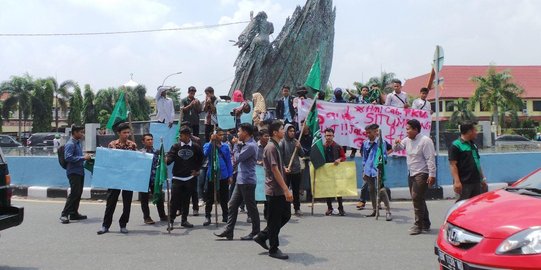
{"points": [[176, 73]]}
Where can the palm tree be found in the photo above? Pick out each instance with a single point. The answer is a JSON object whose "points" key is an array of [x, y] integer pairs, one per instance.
{"points": [[62, 96], [495, 91], [42, 105], [383, 81], [461, 112], [20, 90]]}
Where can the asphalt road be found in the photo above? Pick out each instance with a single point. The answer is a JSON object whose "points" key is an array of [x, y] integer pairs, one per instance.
{"points": [[313, 242]]}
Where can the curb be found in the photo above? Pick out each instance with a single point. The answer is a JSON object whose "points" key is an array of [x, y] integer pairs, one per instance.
{"points": [[39, 192]]}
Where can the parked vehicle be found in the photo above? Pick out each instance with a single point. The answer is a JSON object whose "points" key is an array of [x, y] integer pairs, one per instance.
{"points": [[514, 140], [500, 229], [8, 141], [10, 215], [41, 143]]}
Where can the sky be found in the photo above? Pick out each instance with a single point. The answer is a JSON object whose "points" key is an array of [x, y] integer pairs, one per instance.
{"points": [[371, 36]]}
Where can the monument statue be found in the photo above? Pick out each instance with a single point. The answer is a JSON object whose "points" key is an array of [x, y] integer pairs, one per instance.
{"points": [[264, 66]]}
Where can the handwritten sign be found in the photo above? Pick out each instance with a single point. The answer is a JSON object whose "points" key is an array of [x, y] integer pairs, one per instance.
{"points": [[122, 169], [350, 120], [226, 120]]}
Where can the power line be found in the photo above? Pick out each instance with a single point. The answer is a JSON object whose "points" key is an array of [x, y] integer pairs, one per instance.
{"points": [[121, 32]]}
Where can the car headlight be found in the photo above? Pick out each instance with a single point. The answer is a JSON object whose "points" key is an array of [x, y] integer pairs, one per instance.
{"points": [[453, 208], [524, 242]]}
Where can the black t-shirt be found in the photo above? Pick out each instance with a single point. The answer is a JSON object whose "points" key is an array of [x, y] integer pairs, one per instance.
{"points": [[467, 157]]}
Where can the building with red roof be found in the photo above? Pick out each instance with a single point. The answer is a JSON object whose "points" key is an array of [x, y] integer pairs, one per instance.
{"points": [[457, 84]]}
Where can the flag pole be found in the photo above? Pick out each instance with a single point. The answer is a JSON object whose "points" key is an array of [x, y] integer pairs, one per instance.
{"points": [[314, 191], [216, 181]]}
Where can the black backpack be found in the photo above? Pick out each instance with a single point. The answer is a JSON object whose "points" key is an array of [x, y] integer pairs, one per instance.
{"points": [[62, 157]]}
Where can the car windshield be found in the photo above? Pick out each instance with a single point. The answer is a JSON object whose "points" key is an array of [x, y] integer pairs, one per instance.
{"points": [[533, 181]]}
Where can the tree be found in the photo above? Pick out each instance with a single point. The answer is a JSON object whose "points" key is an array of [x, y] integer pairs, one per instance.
{"points": [[103, 117], [76, 106], [89, 110], [20, 90], [143, 106], [495, 91], [383, 81], [61, 96], [461, 113], [42, 105]]}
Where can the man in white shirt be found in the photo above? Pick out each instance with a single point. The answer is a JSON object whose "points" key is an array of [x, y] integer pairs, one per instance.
{"points": [[421, 163], [164, 106], [397, 98], [421, 103]]}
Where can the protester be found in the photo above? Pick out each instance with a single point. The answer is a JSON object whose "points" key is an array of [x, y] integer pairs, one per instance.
{"points": [[148, 143], [338, 98], [421, 161], [260, 110], [245, 156], [73, 154], [291, 150], [284, 106], [191, 107], [421, 103], [209, 107], [306, 144], [468, 177], [199, 188], [301, 94], [187, 157], [123, 143], [224, 175], [244, 107], [334, 153], [278, 195], [397, 98], [375, 96], [370, 170], [164, 106], [364, 98]]}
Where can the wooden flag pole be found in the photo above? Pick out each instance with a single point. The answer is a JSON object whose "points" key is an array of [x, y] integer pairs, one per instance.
{"points": [[313, 190]]}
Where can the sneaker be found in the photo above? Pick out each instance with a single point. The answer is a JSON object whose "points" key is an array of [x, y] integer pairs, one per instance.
{"points": [[415, 230], [103, 230], [186, 224], [77, 217], [341, 212], [329, 212], [123, 230], [426, 229], [64, 220], [149, 221], [388, 216], [195, 213], [360, 205], [278, 255], [298, 213]]}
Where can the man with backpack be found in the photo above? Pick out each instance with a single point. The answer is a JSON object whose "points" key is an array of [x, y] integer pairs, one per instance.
{"points": [[73, 160]]}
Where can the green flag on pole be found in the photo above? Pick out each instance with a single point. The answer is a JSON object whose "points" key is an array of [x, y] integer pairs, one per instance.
{"points": [[314, 77], [160, 177], [379, 159], [317, 152], [120, 112]]}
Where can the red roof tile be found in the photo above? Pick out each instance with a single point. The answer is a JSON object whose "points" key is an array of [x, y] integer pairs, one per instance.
{"points": [[457, 83]]}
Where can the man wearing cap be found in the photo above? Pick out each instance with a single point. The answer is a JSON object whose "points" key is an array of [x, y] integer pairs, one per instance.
{"points": [[397, 98], [191, 107], [164, 106]]}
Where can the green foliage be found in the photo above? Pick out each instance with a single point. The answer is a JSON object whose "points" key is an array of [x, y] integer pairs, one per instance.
{"points": [[174, 94], [76, 107], [20, 99], [89, 111], [42, 105], [529, 127], [461, 113], [103, 117], [496, 92], [383, 81]]}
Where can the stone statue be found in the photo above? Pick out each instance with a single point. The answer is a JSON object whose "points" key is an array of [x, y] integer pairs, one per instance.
{"points": [[264, 66]]}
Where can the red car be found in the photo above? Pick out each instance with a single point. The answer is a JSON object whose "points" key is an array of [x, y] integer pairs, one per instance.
{"points": [[500, 229]]}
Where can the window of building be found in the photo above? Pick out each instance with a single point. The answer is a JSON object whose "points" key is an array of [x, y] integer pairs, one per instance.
{"points": [[537, 105]]}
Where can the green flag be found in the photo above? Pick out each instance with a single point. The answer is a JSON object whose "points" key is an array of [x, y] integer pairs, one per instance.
{"points": [[379, 159], [215, 167], [317, 152], [160, 177], [314, 77], [120, 112]]}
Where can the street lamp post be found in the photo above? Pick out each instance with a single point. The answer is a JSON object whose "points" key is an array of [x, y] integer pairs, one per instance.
{"points": [[176, 73]]}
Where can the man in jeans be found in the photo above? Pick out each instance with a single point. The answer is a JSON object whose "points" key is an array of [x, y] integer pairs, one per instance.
{"points": [[73, 153], [422, 171], [245, 153], [148, 143]]}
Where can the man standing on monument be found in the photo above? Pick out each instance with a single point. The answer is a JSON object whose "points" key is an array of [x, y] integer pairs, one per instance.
{"points": [[284, 107], [164, 106], [191, 107], [397, 98]]}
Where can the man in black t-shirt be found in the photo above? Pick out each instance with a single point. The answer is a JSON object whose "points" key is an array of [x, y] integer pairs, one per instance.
{"points": [[468, 177]]}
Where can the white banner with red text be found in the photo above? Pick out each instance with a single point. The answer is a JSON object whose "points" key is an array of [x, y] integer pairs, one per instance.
{"points": [[349, 120]]}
